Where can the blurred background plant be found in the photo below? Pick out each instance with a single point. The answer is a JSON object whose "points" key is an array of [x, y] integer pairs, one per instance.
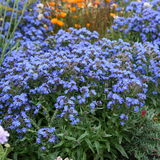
{"points": [[94, 15]]}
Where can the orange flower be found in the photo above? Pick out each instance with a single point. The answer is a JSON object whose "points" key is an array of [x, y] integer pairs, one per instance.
{"points": [[52, 3], [58, 15], [67, 30], [108, 0], [60, 23], [75, 17], [116, 5], [63, 14], [58, 10], [54, 20], [79, 1], [86, 13], [87, 24], [76, 25], [80, 5], [112, 14], [70, 1], [74, 1], [67, 5], [64, 0], [73, 9], [97, 2]]}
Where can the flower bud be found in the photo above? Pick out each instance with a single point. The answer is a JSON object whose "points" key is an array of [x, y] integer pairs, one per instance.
{"points": [[7, 145]]}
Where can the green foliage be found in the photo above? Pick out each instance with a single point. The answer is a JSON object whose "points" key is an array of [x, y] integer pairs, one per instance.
{"points": [[7, 41], [4, 152], [144, 138]]}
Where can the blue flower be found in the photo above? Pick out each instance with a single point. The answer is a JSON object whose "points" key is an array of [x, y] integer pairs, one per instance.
{"points": [[122, 116], [122, 123], [38, 140], [136, 109], [43, 148]]}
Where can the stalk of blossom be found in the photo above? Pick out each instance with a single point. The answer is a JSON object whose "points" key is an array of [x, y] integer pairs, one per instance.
{"points": [[3, 135]]}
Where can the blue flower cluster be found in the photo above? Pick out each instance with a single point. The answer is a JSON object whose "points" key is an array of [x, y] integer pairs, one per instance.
{"points": [[73, 74], [143, 24]]}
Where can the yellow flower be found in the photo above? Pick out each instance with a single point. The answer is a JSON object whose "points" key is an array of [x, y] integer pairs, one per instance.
{"points": [[112, 14], [52, 3], [60, 23], [73, 9], [54, 20], [87, 24], [63, 14]]}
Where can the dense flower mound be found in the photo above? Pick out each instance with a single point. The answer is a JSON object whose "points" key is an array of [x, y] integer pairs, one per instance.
{"points": [[143, 24], [73, 75]]}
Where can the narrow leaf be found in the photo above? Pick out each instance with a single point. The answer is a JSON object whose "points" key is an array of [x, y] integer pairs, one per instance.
{"points": [[59, 144], [89, 144], [121, 150], [83, 135], [84, 156], [97, 146], [70, 138]]}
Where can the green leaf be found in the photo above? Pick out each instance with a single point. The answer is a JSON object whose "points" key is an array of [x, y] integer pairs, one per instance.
{"points": [[8, 8], [108, 146], [83, 135], [1, 148], [7, 150], [107, 135], [39, 122], [127, 139], [121, 150], [15, 156], [59, 144], [54, 155], [1, 153], [120, 139], [79, 153], [24, 138], [84, 156], [61, 134], [70, 138], [81, 128], [89, 144], [97, 146], [64, 150]]}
